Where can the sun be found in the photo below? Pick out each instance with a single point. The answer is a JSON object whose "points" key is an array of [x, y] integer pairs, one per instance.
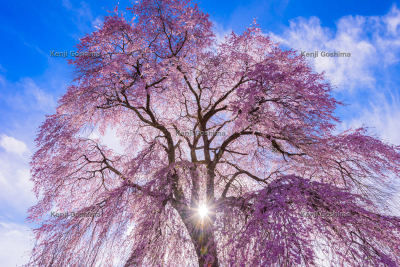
{"points": [[203, 211]]}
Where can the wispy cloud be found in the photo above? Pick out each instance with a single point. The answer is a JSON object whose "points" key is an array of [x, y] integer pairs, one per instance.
{"points": [[25, 95], [83, 17], [380, 114], [366, 79], [246, 11], [220, 31]]}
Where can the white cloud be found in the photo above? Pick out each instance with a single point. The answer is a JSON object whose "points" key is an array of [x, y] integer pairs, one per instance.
{"points": [[14, 244], [393, 20], [220, 31], [13, 145], [15, 187], [372, 41]]}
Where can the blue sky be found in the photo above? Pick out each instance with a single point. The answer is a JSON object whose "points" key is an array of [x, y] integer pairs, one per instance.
{"points": [[31, 81]]}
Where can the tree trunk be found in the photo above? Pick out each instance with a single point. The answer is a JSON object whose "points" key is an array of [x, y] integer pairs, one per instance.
{"points": [[206, 249]]}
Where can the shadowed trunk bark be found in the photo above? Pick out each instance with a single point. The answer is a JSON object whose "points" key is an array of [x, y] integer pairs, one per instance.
{"points": [[206, 250]]}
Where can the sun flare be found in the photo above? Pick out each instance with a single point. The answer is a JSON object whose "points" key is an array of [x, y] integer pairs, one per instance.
{"points": [[203, 211]]}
